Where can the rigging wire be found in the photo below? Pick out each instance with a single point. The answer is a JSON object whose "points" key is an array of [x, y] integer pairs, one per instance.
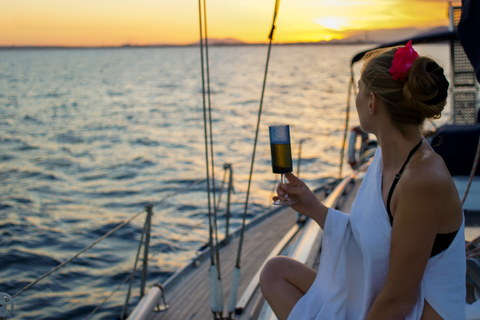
{"points": [[236, 274], [215, 227], [351, 87], [216, 289], [270, 37], [210, 240]]}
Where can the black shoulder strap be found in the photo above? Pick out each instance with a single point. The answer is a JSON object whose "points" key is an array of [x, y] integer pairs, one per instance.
{"points": [[397, 177]]}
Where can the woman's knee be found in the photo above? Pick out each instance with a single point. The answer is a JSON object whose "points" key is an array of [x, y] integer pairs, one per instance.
{"points": [[272, 272], [280, 270], [275, 270]]}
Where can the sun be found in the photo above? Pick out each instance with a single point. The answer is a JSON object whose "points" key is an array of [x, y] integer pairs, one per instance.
{"points": [[333, 23]]}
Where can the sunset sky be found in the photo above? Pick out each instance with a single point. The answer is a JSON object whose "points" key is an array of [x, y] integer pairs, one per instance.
{"points": [[142, 22]]}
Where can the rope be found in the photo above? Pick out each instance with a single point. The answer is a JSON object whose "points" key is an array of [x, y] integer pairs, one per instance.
{"points": [[275, 13], [472, 173], [270, 36]]}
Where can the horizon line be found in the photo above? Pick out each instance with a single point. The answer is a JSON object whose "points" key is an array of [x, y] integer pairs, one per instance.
{"points": [[217, 44]]}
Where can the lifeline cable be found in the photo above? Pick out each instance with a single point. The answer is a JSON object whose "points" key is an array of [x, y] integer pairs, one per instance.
{"points": [[124, 223], [78, 254]]}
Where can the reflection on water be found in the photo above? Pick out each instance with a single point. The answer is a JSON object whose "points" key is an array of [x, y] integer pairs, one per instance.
{"points": [[88, 137]]}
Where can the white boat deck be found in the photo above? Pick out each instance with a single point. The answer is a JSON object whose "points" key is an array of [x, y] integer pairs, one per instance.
{"points": [[191, 299]]}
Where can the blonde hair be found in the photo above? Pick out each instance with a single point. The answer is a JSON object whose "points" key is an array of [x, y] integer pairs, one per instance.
{"points": [[422, 95]]}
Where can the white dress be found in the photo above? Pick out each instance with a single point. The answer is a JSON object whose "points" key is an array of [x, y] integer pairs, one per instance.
{"points": [[355, 262]]}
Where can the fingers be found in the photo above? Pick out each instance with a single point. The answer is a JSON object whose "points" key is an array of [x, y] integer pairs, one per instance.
{"points": [[286, 189], [292, 188], [292, 179], [282, 192], [295, 187]]}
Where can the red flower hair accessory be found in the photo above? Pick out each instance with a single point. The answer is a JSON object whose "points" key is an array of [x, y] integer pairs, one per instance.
{"points": [[402, 61]]}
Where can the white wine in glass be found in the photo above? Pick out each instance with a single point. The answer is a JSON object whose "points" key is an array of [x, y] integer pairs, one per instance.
{"points": [[281, 155]]}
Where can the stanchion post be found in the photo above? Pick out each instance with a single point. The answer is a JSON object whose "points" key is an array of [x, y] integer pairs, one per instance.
{"points": [[148, 227]]}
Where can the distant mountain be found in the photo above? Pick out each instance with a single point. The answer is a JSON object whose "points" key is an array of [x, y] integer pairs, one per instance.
{"points": [[434, 30], [370, 36], [390, 35], [224, 41]]}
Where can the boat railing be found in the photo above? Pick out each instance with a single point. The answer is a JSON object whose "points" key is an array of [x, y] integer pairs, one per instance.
{"points": [[155, 296], [146, 230], [143, 253], [7, 306], [228, 171]]}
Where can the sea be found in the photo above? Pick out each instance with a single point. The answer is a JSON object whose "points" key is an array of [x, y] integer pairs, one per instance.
{"points": [[89, 137]]}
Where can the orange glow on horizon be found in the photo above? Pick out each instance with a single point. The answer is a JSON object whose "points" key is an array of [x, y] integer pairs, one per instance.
{"points": [[143, 22]]}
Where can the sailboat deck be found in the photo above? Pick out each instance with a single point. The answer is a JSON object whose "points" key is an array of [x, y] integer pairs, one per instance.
{"points": [[192, 301]]}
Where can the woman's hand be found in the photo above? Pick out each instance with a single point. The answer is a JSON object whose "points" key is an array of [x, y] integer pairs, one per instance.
{"points": [[307, 203]]}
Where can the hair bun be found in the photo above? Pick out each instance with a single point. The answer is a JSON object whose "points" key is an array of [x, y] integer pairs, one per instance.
{"points": [[442, 83], [426, 88], [420, 96]]}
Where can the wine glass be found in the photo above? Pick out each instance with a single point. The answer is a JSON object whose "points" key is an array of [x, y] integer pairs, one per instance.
{"points": [[281, 155]]}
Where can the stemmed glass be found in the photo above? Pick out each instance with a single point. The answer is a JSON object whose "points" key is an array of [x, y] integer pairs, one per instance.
{"points": [[281, 155]]}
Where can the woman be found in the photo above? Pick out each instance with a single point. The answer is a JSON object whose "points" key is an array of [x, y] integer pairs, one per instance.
{"points": [[400, 254]]}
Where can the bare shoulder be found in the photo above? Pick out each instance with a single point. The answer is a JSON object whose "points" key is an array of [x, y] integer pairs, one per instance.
{"points": [[428, 185], [428, 169]]}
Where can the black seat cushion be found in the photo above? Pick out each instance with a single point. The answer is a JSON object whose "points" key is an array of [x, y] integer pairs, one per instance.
{"points": [[457, 144]]}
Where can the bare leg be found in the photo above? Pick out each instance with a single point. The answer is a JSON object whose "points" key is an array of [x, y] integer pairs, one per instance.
{"points": [[429, 313], [283, 282]]}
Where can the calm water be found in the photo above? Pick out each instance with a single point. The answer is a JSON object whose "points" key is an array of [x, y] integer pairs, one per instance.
{"points": [[89, 137]]}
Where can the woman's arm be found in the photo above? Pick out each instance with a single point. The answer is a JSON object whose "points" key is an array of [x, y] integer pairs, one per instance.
{"points": [[425, 198], [308, 204]]}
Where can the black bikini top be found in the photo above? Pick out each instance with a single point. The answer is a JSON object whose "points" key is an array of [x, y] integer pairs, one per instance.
{"points": [[442, 240]]}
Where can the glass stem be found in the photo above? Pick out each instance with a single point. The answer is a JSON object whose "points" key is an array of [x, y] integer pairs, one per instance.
{"points": [[282, 181]]}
